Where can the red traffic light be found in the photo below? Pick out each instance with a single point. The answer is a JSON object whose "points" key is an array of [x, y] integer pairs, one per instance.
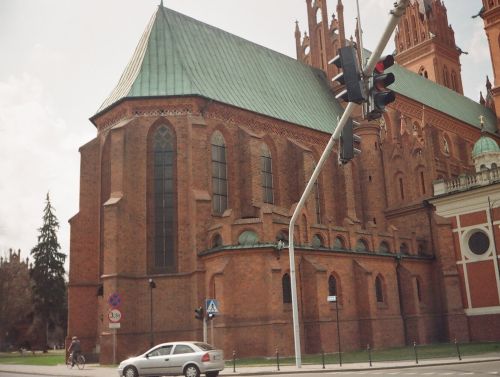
{"points": [[384, 63]]}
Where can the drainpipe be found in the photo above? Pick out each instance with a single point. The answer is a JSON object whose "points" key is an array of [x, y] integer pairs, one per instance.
{"points": [[398, 259]]}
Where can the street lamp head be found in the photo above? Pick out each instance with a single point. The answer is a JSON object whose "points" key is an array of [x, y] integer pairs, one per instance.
{"points": [[152, 283]]}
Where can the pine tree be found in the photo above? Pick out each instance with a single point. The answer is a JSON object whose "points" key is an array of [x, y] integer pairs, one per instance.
{"points": [[47, 274]]}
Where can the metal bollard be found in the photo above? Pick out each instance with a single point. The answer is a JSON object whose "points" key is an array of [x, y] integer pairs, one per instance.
{"points": [[458, 350], [369, 354], [234, 361], [416, 353], [323, 358], [277, 358]]}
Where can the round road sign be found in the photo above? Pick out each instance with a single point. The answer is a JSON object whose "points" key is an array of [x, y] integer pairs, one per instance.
{"points": [[114, 300], [114, 315]]}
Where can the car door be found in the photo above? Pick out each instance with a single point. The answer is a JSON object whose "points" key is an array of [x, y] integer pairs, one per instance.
{"points": [[182, 354], [155, 362]]}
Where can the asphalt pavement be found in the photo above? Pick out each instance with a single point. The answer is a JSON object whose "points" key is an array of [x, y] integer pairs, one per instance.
{"points": [[95, 370]]}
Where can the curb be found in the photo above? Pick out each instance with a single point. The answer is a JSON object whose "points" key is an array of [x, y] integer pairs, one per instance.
{"points": [[355, 369]]}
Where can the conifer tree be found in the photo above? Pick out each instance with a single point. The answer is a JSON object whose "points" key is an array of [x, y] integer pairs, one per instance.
{"points": [[47, 274]]}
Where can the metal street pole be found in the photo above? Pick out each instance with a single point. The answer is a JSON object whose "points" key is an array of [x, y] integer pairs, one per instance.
{"points": [[338, 330], [396, 13], [492, 226], [152, 285]]}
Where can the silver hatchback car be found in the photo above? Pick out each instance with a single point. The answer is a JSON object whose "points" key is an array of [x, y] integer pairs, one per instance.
{"points": [[175, 359]]}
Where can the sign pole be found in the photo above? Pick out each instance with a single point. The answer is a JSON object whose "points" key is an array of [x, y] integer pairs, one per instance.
{"points": [[205, 329], [114, 346], [212, 331]]}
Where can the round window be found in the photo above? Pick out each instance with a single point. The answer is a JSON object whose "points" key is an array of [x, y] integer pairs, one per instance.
{"points": [[479, 242]]}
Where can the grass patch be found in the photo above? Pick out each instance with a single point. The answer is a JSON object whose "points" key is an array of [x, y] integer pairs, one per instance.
{"points": [[431, 351], [49, 359]]}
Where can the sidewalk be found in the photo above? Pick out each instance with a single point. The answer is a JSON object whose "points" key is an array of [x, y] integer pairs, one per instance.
{"points": [[95, 370]]}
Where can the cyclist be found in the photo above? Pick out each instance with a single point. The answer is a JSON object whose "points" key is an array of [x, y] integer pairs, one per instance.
{"points": [[74, 350]]}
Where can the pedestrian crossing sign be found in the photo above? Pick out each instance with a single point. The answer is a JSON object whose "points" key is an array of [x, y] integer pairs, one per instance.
{"points": [[212, 306]]}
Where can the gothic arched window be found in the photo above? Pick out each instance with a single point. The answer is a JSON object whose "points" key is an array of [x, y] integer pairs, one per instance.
{"points": [[266, 164], [379, 289], [163, 190], [332, 286], [317, 200], [454, 81], [287, 289], [219, 174], [446, 78], [339, 243]]}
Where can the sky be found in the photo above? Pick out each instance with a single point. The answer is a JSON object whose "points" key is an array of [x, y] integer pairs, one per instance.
{"points": [[60, 59]]}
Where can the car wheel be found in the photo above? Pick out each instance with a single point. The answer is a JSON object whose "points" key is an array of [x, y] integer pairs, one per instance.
{"points": [[130, 372], [191, 371], [212, 374]]}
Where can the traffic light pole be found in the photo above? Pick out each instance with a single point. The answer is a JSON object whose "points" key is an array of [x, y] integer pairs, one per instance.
{"points": [[396, 13]]}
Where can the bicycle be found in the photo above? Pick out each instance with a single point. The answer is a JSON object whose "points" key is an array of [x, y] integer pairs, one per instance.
{"points": [[79, 362]]}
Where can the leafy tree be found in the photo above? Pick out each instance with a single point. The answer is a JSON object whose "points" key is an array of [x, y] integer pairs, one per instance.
{"points": [[49, 288]]}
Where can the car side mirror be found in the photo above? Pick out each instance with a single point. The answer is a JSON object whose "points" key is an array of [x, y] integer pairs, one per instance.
{"points": [[147, 356]]}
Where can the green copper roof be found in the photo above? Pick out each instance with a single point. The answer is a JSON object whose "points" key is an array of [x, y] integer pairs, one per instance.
{"points": [[438, 97], [178, 55], [485, 144]]}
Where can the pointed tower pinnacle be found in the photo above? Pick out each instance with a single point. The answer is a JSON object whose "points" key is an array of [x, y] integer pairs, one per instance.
{"points": [[298, 46], [340, 13]]}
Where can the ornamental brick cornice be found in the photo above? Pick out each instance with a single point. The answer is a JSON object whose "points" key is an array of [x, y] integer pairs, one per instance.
{"points": [[261, 125], [491, 17], [424, 49], [444, 122]]}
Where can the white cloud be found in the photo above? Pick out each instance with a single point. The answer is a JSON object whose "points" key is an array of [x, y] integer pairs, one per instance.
{"points": [[34, 159]]}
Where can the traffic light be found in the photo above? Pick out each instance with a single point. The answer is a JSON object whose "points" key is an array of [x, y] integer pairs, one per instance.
{"points": [[198, 313], [351, 76], [379, 95], [347, 151]]}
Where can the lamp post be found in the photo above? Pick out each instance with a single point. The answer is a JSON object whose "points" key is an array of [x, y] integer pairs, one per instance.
{"points": [[492, 226], [336, 301], [152, 285]]}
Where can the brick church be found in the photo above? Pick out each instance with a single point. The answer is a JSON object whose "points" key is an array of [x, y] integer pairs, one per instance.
{"points": [[202, 152]]}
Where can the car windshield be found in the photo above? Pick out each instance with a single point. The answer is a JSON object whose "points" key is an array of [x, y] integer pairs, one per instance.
{"points": [[205, 346]]}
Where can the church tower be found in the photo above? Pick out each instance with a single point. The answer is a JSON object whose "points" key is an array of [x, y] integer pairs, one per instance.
{"points": [[490, 14], [425, 44]]}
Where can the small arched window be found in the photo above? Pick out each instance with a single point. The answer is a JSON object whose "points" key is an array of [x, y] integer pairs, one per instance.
{"points": [[266, 166], [379, 289], [317, 241], [219, 174], [332, 286], [217, 241], [339, 243], [403, 249], [384, 247], [248, 238], [361, 245], [287, 289]]}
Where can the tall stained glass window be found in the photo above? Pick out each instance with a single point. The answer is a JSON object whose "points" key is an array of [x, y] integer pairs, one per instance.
{"points": [[164, 199], [219, 174], [267, 174]]}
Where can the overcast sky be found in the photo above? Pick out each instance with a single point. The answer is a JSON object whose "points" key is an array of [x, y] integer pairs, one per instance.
{"points": [[59, 59]]}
